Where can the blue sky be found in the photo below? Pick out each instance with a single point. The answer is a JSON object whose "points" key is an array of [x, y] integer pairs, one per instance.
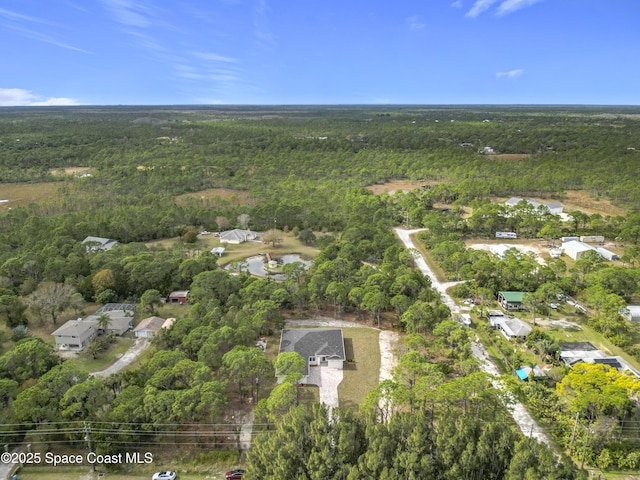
{"points": [[159, 52]]}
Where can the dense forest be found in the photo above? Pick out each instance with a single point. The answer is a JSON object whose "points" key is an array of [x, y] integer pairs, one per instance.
{"points": [[140, 174]]}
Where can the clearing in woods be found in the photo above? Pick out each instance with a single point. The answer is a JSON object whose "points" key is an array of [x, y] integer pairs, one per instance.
{"points": [[234, 197]]}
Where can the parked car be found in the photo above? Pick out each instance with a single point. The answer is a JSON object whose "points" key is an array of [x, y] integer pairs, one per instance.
{"points": [[234, 474], [205, 232], [164, 476]]}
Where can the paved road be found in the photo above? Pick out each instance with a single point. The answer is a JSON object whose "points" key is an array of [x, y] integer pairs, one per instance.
{"points": [[521, 416]]}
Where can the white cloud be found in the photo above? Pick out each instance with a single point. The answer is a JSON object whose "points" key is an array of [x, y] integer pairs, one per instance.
{"points": [[213, 57], [129, 13], [510, 74], [509, 6], [18, 97], [479, 7], [415, 23], [505, 7], [457, 4]]}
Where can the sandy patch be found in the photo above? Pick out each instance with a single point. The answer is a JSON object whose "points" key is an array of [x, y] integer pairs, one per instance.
{"points": [[402, 185]]}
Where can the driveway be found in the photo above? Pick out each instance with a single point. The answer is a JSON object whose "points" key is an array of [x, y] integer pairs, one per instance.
{"points": [[521, 416], [129, 356]]}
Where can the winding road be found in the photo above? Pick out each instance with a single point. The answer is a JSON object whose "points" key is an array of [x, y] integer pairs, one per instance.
{"points": [[528, 426]]}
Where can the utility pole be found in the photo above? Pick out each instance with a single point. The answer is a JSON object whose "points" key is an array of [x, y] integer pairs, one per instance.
{"points": [[87, 438], [573, 433], [586, 443]]}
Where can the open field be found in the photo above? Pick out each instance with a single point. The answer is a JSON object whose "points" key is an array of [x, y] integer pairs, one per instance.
{"points": [[23, 194], [508, 156], [68, 171], [212, 195], [290, 244], [403, 185], [581, 200]]}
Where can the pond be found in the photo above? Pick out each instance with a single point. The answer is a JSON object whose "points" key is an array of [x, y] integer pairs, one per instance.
{"points": [[257, 265]]}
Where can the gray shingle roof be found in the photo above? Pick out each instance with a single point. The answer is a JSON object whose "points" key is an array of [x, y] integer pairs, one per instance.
{"points": [[313, 342]]}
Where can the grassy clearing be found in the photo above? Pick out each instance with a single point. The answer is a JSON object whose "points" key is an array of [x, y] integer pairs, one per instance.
{"points": [[214, 196], [23, 194], [360, 376], [290, 244]]}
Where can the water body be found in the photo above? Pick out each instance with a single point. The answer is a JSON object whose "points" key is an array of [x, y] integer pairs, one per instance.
{"points": [[256, 265]]}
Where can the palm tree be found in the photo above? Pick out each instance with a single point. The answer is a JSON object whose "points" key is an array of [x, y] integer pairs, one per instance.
{"points": [[104, 322]]}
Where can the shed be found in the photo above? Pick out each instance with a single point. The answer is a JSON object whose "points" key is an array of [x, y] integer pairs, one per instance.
{"points": [[218, 251], [592, 238], [178, 296]]}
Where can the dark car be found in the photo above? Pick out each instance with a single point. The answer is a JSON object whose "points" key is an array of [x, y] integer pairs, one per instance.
{"points": [[234, 474]]}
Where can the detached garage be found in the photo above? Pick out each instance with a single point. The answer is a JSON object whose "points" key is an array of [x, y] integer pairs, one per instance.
{"points": [[148, 327]]}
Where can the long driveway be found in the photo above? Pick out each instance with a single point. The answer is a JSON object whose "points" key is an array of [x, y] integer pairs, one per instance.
{"points": [[129, 356], [521, 416]]}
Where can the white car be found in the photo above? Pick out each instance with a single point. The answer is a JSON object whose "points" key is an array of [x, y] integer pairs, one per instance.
{"points": [[164, 476], [205, 232]]}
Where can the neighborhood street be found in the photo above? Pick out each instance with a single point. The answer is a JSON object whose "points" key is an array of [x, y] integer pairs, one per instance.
{"points": [[521, 416]]}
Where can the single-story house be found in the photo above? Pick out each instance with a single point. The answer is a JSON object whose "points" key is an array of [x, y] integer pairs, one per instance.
{"points": [[99, 244], [178, 296], [237, 236], [584, 352], [75, 335], [320, 347], [511, 301], [524, 372], [148, 327], [512, 327], [575, 249], [631, 313], [120, 315]]}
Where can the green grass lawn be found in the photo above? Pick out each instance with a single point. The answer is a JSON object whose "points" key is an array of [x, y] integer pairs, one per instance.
{"points": [[290, 244], [88, 364], [361, 345]]}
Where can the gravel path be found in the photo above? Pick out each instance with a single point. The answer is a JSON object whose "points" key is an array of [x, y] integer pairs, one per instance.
{"points": [[523, 419]]}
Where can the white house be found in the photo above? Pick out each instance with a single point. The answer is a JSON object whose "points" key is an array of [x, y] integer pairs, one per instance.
{"points": [[512, 327], [237, 236]]}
